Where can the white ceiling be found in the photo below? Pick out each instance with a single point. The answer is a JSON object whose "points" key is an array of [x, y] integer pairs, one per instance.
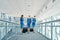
{"points": [[25, 7]]}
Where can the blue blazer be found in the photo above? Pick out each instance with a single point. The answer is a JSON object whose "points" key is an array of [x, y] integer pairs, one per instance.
{"points": [[28, 20]]}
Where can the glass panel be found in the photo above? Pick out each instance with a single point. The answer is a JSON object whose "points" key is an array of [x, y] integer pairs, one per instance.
{"points": [[55, 27], [54, 33], [2, 29], [12, 19], [40, 30], [58, 37], [43, 29], [48, 32], [9, 27], [13, 28], [48, 24], [58, 29], [6, 27], [57, 23], [58, 33]]}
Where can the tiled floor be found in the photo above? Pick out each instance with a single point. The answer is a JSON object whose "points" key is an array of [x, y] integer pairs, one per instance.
{"points": [[27, 36]]}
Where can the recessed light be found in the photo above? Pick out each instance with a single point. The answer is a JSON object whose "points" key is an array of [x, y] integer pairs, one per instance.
{"points": [[53, 1], [29, 5]]}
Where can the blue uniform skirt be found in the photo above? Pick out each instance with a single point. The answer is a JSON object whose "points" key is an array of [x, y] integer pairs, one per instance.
{"points": [[33, 25], [22, 25], [28, 25]]}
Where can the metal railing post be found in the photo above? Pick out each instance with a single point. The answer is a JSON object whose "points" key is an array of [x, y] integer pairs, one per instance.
{"points": [[6, 30], [45, 29], [41, 28], [51, 28]]}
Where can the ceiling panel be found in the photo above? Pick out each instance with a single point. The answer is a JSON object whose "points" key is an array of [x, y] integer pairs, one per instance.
{"points": [[18, 7]]}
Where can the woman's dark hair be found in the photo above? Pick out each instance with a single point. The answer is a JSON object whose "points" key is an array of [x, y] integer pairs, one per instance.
{"points": [[21, 16], [34, 16]]}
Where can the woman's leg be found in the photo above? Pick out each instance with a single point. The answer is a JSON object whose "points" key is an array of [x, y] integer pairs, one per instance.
{"points": [[33, 25], [28, 27], [21, 28]]}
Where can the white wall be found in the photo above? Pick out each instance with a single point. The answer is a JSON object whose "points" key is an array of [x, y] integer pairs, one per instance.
{"points": [[53, 8]]}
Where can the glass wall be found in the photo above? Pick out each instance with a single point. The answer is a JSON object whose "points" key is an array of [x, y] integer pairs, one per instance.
{"points": [[50, 27], [7, 24]]}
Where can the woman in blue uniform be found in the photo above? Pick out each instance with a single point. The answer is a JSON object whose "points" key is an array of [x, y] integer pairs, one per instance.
{"points": [[33, 22], [28, 23], [21, 22]]}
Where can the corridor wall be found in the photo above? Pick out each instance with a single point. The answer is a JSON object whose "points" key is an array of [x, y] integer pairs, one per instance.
{"points": [[7, 23], [50, 27]]}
